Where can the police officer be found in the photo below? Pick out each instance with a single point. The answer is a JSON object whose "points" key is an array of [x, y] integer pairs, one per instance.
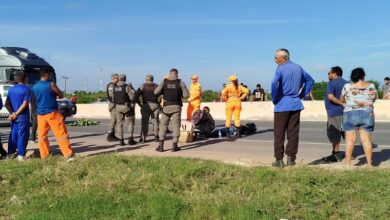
{"points": [[173, 91], [111, 108], [150, 107], [124, 108]]}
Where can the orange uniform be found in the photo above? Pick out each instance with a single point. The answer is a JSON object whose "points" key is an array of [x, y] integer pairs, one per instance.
{"points": [[194, 100], [233, 97], [55, 121]]}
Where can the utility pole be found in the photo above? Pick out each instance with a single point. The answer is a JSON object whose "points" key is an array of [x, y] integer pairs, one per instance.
{"points": [[65, 78], [101, 79]]}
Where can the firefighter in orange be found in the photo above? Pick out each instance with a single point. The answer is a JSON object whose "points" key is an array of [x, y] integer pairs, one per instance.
{"points": [[195, 97], [232, 94]]}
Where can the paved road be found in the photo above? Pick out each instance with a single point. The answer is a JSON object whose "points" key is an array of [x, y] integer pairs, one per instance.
{"points": [[256, 149]]}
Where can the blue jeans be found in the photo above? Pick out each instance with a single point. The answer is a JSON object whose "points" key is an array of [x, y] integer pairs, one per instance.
{"points": [[359, 119], [18, 138]]}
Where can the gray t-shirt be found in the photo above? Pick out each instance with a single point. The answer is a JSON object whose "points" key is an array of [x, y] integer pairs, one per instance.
{"points": [[385, 88], [354, 96]]}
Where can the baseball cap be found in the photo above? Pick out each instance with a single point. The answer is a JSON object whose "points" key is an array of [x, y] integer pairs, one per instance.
{"points": [[232, 78]]}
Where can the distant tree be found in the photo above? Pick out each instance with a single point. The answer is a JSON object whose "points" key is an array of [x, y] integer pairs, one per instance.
{"points": [[209, 95], [377, 86], [319, 90]]}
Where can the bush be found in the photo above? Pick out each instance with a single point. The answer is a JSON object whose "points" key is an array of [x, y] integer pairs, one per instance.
{"points": [[209, 96]]}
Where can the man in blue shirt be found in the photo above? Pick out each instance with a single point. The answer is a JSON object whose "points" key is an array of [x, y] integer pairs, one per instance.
{"points": [[45, 93], [335, 109], [17, 102], [286, 85]]}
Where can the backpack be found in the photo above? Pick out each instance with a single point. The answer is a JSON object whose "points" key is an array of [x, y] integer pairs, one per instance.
{"points": [[248, 129], [187, 134]]}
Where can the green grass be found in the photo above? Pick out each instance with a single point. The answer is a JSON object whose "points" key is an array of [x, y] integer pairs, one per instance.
{"points": [[119, 187]]}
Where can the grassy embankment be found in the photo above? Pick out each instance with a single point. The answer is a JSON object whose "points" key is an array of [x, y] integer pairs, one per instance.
{"points": [[118, 187]]}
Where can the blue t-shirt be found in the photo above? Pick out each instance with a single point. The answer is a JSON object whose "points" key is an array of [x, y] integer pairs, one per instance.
{"points": [[286, 85], [334, 87], [17, 95], [45, 98]]}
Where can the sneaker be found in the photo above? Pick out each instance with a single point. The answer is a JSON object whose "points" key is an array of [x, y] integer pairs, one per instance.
{"points": [[278, 163], [70, 159], [20, 158], [291, 161], [10, 157]]}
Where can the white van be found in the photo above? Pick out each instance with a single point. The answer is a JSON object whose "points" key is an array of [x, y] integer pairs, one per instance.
{"points": [[14, 58]]}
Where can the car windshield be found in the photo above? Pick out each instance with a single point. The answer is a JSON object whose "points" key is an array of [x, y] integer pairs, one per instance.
{"points": [[32, 77]]}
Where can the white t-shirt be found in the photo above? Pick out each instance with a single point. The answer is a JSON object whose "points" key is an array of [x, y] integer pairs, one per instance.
{"points": [[354, 96]]}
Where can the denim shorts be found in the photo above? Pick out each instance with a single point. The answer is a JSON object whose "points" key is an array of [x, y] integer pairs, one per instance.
{"points": [[359, 119]]}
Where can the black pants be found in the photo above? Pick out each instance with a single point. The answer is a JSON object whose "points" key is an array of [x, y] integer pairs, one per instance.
{"points": [[286, 122], [34, 126], [2, 151]]}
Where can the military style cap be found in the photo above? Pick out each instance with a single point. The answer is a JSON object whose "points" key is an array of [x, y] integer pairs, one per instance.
{"points": [[114, 75], [149, 77], [194, 76], [122, 76]]}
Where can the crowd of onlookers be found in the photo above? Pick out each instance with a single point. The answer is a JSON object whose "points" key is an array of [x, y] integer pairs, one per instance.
{"points": [[349, 106], [259, 94]]}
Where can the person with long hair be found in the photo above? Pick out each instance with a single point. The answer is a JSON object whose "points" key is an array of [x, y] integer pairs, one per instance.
{"points": [[359, 97], [233, 94]]}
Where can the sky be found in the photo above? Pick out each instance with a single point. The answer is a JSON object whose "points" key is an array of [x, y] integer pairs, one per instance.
{"points": [[211, 38]]}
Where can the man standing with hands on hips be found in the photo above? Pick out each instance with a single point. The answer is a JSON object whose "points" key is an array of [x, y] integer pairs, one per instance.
{"points": [[289, 79], [150, 107], [195, 97]]}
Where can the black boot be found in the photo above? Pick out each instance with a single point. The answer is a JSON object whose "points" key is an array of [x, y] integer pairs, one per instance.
{"points": [[156, 138], [290, 161], [122, 142], [131, 141], [238, 132], [142, 140], [175, 148], [111, 138], [114, 136], [160, 147], [278, 163]]}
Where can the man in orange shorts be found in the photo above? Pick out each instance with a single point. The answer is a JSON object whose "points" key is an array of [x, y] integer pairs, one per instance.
{"points": [[45, 92]]}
